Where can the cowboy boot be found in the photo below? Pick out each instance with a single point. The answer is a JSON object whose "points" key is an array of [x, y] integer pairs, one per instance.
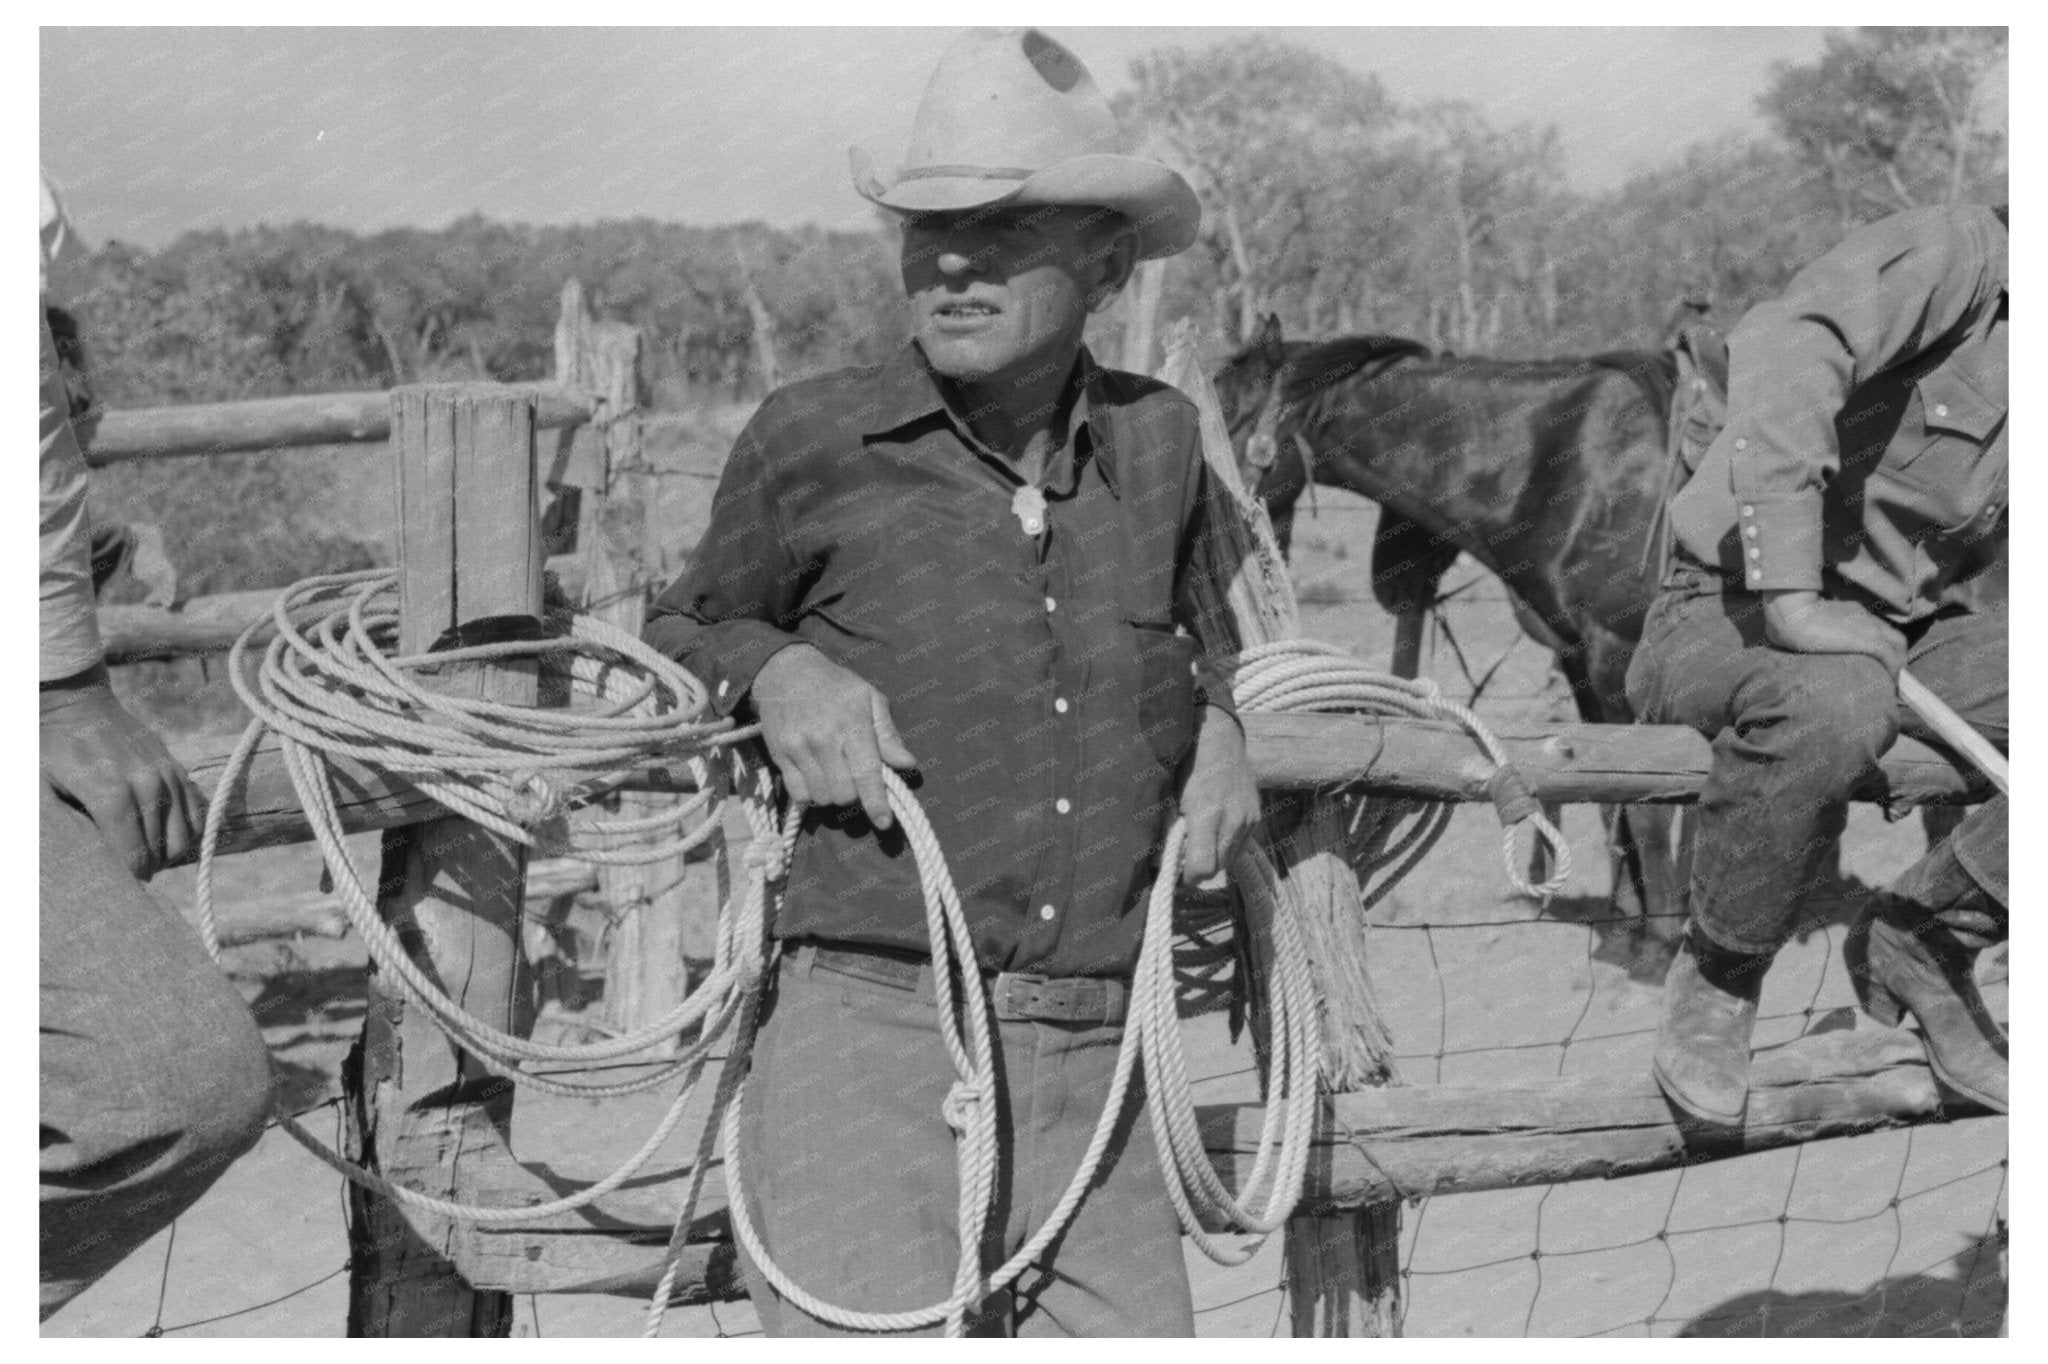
{"points": [[1903, 958], [1710, 1001]]}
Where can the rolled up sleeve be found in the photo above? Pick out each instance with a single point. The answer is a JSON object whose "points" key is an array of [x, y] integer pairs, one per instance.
{"points": [[70, 637]]}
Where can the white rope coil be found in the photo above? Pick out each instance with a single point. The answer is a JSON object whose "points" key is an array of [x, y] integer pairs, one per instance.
{"points": [[334, 689]]}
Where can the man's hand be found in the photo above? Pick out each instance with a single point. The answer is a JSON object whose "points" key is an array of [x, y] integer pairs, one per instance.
{"points": [[1219, 800], [1802, 622], [828, 732], [118, 771]]}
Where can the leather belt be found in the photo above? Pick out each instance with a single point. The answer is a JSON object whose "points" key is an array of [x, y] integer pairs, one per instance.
{"points": [[1016, 995]]}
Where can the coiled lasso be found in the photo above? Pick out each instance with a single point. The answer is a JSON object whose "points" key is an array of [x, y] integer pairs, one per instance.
{"points": [[334, 688]]}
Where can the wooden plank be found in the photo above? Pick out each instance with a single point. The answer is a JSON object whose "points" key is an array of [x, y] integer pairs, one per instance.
{"points": [[201, 628], [1385, 1143], [1394, 756], [266, 811], [424, 1113], [1568, 764], [1428, 1139], [264, 425]]}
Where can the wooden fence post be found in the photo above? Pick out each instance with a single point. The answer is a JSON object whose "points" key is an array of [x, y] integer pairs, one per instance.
{"points": [[1342, 1268], [423, 1113], [646, 974]]}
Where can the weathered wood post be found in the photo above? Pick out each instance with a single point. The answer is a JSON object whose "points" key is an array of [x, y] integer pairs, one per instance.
{"points": [[1343, 1269], [423, 1113], [646, 974]]}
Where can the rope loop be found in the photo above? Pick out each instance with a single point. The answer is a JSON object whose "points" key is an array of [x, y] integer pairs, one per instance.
{"points": [[330, 687]]}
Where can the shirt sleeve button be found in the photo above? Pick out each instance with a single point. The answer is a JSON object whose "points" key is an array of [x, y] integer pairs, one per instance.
{"points": [[1750, 531], [1755, 553], [1059, 703], [1047, 912], [1749, 509], [1062, 805]]}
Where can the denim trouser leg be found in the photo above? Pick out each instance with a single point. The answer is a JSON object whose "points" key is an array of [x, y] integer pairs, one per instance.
{"points": [[153, 1076], [850, 1170], [1792, 735]]}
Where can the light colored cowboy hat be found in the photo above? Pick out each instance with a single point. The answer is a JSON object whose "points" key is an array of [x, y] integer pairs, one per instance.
{"points": [[1012, 117]]}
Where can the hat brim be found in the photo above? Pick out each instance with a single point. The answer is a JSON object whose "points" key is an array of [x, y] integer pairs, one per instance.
{"points": [[1160, 204]]}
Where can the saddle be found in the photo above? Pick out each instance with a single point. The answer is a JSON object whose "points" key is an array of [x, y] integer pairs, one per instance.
{"points": [[1699, 409]]}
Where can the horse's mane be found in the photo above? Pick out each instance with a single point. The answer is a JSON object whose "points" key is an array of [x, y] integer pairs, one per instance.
{"points": [[1655, 372], [1322, 363]]}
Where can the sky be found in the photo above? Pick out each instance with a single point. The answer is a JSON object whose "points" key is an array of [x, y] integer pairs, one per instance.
{"points": [[150, 132]]}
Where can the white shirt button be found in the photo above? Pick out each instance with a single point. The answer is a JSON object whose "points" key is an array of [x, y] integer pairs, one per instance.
{"points": [[1046, 912], [1033, 526], [1742, 442], [724, 687], [1748, 509], [1755, 553], [1750, 531], [1941, 409], [1059, 703], [1050, 604], [1062, 805]]}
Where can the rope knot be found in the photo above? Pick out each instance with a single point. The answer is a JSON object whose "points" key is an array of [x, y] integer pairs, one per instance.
{"points": [[1512, 800], [531, 800], [961, 1101]]}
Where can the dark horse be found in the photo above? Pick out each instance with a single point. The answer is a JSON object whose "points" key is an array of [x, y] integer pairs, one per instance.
{"points": [[1550, 473]]}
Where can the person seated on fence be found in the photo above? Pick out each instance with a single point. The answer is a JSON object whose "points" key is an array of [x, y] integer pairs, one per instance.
{"points": [[1848, 521], [153, 1075], [969, 563]]}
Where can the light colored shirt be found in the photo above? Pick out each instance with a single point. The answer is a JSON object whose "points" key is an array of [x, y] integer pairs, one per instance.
{"points": [[1865, 450], [70, 626]]}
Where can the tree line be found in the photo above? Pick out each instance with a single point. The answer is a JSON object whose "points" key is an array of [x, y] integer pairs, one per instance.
{"points": [[1325, 202]]}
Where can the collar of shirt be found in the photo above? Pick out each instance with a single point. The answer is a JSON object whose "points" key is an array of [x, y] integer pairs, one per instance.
{"points": [[908, 392]]}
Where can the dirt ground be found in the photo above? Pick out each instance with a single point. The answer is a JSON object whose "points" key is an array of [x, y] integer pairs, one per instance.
{"points": [[1889, 1234]]}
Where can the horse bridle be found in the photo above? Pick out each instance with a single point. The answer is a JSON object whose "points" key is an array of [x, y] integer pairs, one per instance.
{"points": [[1262, 447]]}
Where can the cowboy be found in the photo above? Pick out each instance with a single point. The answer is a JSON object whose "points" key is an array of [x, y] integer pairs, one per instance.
{"points": [[1848, 521], [970, 564], [153, 1075]]}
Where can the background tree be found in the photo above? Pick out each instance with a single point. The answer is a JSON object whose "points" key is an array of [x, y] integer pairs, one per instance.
{"points": [[1893, 118]]}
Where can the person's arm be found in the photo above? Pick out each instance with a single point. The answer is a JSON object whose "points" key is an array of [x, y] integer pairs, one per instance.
{"points": [[827, 731], [94, 754], [1219, 798], [1892, 290]]}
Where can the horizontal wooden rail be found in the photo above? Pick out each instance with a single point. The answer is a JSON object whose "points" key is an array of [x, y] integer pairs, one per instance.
{"points": [[199, 628], [261, 424], [1396, 1142], [1569, 764], [1563, 764], [267, 811]]}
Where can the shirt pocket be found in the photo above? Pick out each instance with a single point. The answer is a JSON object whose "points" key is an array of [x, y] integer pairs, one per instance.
{"points": [[1944, 459], [1166, 688]]}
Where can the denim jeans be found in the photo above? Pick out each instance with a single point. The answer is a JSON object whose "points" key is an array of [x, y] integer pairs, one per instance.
{"points": [[1792, 735], [154, 1077], [851, 1172]]}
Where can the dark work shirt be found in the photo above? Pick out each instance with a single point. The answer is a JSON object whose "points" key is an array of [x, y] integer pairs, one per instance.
{"points": [[1047, 684]]}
